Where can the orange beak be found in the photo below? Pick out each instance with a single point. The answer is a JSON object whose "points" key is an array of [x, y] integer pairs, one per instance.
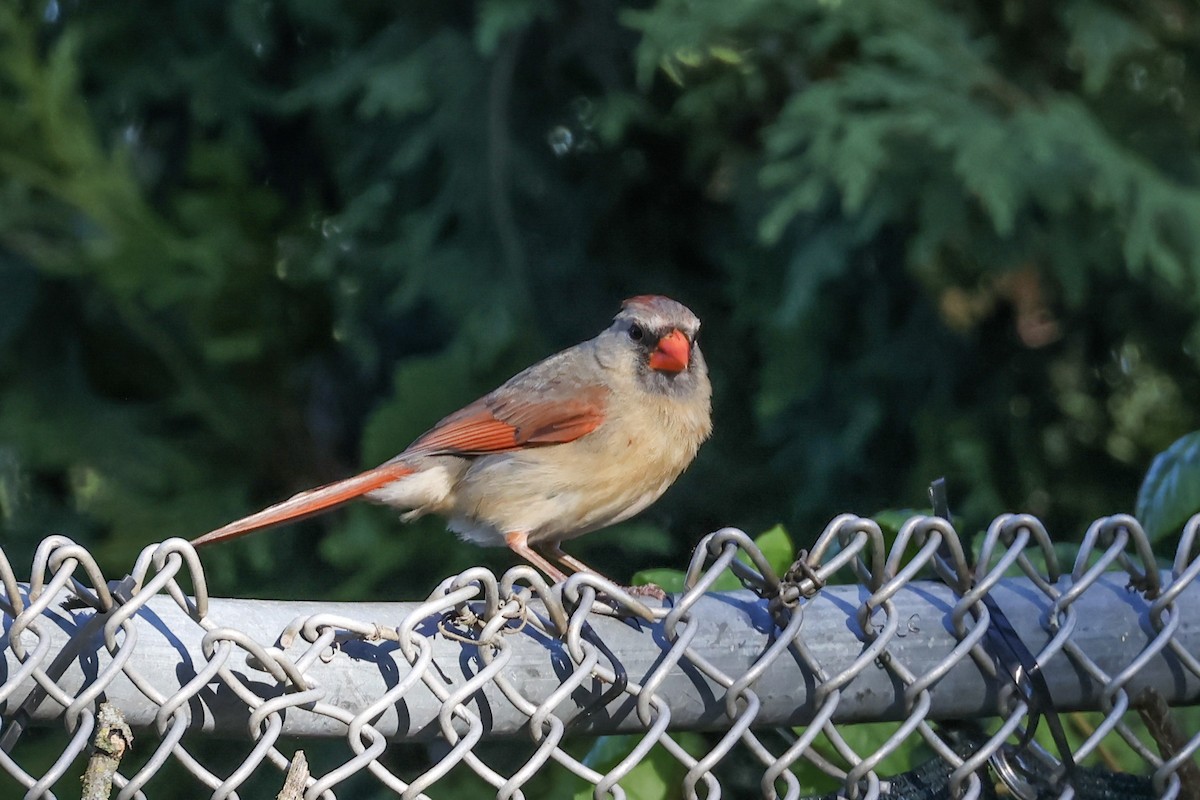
{"points": [[672, 353]]}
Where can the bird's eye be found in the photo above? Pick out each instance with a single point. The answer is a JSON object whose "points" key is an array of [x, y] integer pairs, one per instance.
{"points": [[636, 332]]}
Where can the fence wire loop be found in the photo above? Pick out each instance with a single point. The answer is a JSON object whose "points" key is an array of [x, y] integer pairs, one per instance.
{"points": [[466, 626], [862, 545], [802, 580], [854, 630]]}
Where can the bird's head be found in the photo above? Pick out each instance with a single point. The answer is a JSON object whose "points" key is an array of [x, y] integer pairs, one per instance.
{"points": [[655, 337]]}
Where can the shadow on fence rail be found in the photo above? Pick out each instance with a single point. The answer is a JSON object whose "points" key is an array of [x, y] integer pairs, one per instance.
{"points": [[502, 682]]}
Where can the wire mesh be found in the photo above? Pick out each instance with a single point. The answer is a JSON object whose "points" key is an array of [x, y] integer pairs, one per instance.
{"points": [[862, 628]]}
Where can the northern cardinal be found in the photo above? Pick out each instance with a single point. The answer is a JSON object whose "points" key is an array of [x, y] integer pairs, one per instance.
{"points": [[584, 439]]}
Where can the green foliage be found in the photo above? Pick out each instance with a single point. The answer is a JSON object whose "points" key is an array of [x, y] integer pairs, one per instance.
{"points": [[776, 547], [912, 122], [1170, 494], [273, 241], [658, 775]]}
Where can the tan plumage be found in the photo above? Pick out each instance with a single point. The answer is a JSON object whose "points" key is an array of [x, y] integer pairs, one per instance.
{"points": [[581, 440]]}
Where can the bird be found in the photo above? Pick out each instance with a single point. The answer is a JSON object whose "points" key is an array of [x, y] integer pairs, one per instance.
{"points": [[581, 440]]}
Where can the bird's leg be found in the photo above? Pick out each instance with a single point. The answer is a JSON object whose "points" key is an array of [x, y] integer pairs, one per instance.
{"points": [[555, 551], [518, 542]]}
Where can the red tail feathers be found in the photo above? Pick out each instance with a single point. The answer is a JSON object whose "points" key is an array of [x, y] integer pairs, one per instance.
{"points": [[307, 503]]}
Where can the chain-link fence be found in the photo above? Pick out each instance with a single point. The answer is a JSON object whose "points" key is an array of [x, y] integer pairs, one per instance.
{"points": [[865, 627]]}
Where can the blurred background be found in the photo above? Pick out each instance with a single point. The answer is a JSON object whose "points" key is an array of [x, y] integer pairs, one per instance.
{"points": [[251, 247]]}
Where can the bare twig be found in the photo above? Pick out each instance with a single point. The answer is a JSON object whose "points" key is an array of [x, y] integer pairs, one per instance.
{"points": [[113, 738], [1156, 716], [297, 778]]}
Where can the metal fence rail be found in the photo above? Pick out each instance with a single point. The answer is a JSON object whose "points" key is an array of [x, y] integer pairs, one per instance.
{"points": [[849, 634]]}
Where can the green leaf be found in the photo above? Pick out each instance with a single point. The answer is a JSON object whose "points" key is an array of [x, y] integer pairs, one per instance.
{"points": [[1170, 493], [669, 580], [869, 737], [658, 775], [892, 520], [776, 545]]}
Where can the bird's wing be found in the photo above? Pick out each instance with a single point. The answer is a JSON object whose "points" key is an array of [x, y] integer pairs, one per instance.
{"points": [[515, 417]]}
